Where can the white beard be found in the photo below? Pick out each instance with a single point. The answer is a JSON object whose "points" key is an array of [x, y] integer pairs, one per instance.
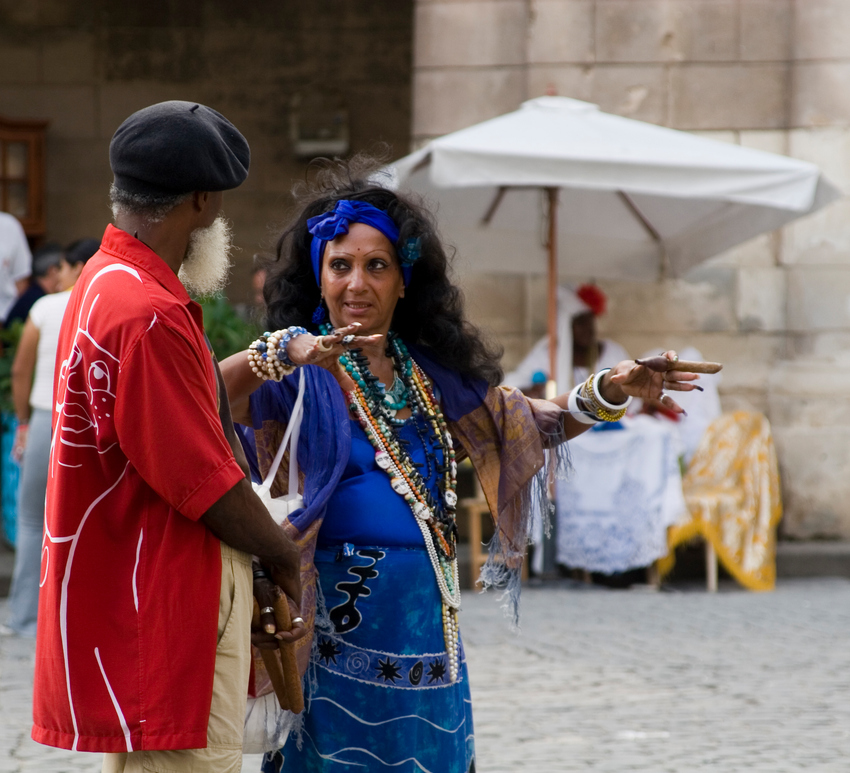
{"points": [[207, 263]]}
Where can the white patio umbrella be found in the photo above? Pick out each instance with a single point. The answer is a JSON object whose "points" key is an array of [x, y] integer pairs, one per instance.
{"points": [[626, 199]]}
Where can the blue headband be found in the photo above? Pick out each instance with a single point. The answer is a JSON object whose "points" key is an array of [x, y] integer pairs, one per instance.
{"points": [[327, 227]]}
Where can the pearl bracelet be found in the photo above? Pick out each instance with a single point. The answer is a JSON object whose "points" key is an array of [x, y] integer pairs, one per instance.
{"points": [[267, 355]]}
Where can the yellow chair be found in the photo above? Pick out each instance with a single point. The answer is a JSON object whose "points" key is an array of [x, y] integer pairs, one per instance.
{"points": [[734, 503]]}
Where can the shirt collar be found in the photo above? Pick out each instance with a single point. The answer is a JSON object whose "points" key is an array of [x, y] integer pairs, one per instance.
{"points": [[126, 247]]}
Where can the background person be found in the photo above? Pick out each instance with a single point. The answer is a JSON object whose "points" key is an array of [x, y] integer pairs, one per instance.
{"points": [[580, 350], [143, 648], [15, 262], [32, 394], [44, 280], [387, 414]]}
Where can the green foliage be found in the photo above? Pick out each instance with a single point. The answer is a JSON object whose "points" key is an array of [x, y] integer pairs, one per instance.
{"points": [[9, 338], [227, 331]]}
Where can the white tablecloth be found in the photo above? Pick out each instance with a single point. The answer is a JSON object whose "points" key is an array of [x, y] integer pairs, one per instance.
{"points": [[626, 489]]}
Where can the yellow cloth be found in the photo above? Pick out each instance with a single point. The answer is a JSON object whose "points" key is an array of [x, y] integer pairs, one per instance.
{"points": [[732, 491]]}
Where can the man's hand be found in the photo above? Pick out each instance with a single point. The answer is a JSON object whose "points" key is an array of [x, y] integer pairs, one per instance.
{"points": [[265, 633]]}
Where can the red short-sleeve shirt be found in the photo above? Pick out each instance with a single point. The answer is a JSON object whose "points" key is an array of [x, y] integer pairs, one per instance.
{"points": [[128, 608]]}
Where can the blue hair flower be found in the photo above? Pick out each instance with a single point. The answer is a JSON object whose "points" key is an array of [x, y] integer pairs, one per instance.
{"points": [[411, 251]]}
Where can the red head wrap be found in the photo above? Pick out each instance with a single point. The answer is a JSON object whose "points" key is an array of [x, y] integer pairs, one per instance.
{"points": [[594, 298]]}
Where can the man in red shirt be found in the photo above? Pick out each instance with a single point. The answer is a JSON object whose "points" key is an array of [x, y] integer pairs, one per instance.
{"points": [[143, 647]]}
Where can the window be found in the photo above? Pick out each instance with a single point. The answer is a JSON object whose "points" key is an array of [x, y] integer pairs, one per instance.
{"points": [[22, 173]]}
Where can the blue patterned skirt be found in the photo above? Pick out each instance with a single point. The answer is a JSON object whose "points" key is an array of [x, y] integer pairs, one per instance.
{"points": [[383, 700]]}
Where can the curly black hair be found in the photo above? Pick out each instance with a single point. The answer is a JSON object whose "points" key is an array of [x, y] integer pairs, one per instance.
{"points": [[430, 315]]}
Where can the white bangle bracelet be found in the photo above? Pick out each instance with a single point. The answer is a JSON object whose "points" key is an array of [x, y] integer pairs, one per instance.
{"points": [[583, 417], [597, 392]]}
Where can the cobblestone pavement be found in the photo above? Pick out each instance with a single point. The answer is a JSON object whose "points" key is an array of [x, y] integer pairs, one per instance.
{"points": [[605, 681]]}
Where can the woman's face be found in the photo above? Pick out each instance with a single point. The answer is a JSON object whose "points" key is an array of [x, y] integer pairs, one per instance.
{"points": [[361, 279], [68, 274]]}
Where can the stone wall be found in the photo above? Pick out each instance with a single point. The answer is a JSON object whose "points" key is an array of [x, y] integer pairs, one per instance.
{"points": [[87, 64], [768, 74]]}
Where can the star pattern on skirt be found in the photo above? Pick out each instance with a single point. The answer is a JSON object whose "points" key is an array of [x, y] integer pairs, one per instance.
{"points": [[436, 670], [388, 670], [328, 651]]}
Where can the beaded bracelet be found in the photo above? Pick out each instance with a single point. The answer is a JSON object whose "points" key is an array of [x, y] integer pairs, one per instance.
{"points": [[601, 408], [597, 392], [267, 355]]}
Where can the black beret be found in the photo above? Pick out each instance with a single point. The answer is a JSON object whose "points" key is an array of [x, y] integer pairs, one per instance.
{"points": [[178, 147]]}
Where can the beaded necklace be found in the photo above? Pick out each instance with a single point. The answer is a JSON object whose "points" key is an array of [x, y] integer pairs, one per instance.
{"points": [[436, 520]]}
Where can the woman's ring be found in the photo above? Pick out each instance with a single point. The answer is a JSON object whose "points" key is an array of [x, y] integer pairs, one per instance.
{"points": [[267, 611], [297, 620], [323, 347], [347, 340]]}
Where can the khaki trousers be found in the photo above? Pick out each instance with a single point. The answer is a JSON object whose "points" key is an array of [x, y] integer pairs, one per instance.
{"points": [[223, 753]]}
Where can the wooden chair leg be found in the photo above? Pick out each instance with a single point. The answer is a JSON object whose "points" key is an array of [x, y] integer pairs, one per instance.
{"points": [[653, 576], [474, 544], [710, 567]]}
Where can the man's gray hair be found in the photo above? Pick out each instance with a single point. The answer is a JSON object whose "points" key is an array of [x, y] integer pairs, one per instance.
{"points": [[152, 207]]}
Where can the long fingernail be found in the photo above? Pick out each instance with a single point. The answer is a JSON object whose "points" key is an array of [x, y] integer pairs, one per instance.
{"points": [[697, 386], [270, 628]]}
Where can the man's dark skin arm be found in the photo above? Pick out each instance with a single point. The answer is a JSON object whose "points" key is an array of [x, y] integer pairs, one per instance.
{"points": [[240, 519]]}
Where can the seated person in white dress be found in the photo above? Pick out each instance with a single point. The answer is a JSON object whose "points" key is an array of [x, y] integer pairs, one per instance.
{"points": [[580, 351]]}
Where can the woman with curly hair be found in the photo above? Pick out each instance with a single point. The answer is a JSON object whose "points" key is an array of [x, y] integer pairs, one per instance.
{"points": [[399, 386]]}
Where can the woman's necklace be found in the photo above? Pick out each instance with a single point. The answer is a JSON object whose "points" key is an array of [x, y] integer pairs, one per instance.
{"points": [[436, 520]]}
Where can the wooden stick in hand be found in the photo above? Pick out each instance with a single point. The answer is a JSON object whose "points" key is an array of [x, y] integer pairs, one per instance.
{"points": [[292, 681], [273, 666]]}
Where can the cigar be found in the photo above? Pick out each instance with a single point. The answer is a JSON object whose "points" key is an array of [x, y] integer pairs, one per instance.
{"points": [[663, 365], [291, 679]]}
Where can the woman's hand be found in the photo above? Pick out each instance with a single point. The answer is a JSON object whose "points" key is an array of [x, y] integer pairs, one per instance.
{"points": [[307, 349], [628, 379], [20, 443], [264, 632]]}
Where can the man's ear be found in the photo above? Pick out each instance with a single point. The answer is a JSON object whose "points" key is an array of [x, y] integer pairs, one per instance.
{"points": [[200, 199]]}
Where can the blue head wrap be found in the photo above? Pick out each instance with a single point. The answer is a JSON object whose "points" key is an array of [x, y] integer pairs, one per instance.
{"points": [[327, 227]]}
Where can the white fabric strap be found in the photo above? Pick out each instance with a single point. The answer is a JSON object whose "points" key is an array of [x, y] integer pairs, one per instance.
{"points": [[597, 391], [293, 430], [577, 413]]}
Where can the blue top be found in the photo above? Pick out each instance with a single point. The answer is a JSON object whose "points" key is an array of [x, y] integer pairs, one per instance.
{"points": [[364, 509]]}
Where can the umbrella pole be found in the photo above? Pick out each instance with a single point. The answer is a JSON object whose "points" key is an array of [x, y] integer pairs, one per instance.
{"points": [[552, 384]]}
